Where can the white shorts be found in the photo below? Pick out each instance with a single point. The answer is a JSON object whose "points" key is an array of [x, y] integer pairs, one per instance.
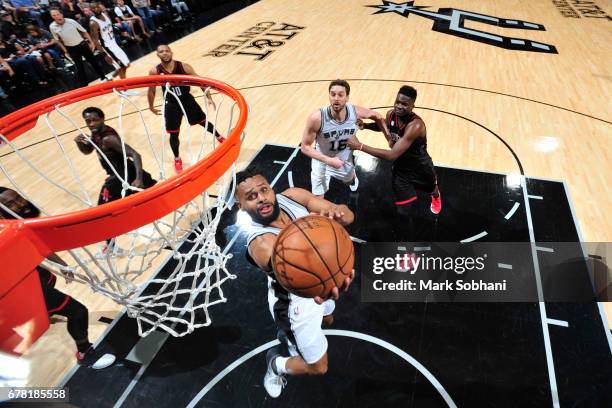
{"points": [[117, 54], [321, 174], [302, 317]]}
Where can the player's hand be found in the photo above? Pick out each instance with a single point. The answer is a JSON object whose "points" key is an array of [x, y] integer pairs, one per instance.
{"points": [[154, 110], [354, 143], [138, 183], [360, 123], [335, 292], [335, 162], [334, 213], [108, 59], [81, 140], [92, 46]]}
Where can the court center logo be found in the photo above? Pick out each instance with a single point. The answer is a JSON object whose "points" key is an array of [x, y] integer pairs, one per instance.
{"points": [[452, 21]]}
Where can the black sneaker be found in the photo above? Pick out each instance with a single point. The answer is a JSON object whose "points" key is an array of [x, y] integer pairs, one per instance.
{"points": [[93, 359]]}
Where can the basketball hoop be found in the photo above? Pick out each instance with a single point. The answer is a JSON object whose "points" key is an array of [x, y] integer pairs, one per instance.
{"points": [[178, 216]]}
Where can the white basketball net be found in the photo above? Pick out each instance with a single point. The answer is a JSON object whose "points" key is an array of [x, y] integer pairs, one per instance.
{"points": [[178, 300]]}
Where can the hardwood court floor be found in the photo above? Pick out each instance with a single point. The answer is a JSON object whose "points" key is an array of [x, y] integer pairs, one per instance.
{"points": [[481, 103]]}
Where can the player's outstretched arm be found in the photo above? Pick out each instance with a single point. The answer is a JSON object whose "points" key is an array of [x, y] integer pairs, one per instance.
{"points": [[261, 249], [379, 120], [309, 136], [411, 132], [319, 205]]}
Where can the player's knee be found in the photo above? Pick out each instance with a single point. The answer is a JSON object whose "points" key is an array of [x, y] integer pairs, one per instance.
{"points": [[320, 367]]}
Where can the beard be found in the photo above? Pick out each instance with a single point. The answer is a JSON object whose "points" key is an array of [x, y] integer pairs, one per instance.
{"points": [[266, 220], [27, 211]]}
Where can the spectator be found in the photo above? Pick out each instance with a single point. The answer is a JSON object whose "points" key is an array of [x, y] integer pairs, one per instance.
{"points": [[142, 7], [30, 8], [84, 16], [47, 45], [122, 30], [8, 6], [11, 54], [75, 42], [124, 14], [26, 49], [181, 8], [9, 28], [69, 9]]}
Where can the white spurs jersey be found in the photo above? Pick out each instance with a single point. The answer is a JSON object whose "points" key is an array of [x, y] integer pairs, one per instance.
{"points": [[292, 208], [333, 136], [106, 30]]}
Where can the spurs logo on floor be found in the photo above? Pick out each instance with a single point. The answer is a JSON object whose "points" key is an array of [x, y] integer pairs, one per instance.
{"points": [[452, 21]]}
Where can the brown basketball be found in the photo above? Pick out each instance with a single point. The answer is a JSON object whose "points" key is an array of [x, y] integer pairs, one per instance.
{"points": [[312, 256]]}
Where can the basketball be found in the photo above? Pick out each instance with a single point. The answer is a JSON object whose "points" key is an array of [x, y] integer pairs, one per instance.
{"points": [[313, 255]]}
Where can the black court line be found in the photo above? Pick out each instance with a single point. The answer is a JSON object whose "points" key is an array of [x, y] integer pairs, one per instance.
{"points": [[516, 158], [367, 80], [431, 83]]}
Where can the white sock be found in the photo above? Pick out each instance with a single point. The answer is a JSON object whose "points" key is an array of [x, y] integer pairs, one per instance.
{"points": [[281, 365]]}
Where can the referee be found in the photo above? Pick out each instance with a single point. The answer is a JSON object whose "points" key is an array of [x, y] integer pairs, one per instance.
{"points": [[75, 42]]}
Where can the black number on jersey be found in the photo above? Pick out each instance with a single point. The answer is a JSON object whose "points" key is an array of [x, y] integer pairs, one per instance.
{"points": [[338, 145]]}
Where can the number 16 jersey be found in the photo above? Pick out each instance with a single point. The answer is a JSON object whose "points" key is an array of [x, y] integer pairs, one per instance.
{"points": [[333, 136]]}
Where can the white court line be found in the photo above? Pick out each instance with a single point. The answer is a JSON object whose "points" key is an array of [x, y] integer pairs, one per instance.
{"points": [[290, 177], [289, 160], [474, 238], [535, 197], [542, 305], [602, 311], [557, 322], [544, 249], [359, 241], [512, 211], [343, 333], [504, 266], [278, 162]]}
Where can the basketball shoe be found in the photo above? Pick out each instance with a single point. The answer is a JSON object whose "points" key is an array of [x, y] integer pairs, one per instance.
{"points": [[273, 382], [436, 204], [178, 165], [92, 359]]}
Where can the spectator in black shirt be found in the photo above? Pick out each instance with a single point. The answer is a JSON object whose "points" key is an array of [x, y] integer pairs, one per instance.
{"points": [[44, 42], [9, 28], [11, 54]]}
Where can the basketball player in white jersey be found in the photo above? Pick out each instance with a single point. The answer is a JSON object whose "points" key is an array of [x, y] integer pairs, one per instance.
{"points": [[327, 133], [298, 319], [104, 39]]}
